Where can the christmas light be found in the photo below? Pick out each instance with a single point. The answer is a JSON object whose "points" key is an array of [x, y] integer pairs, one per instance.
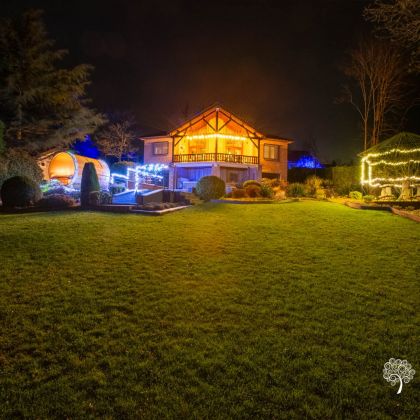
{"points": [[375, 181], [140, 172], [216, 135]]}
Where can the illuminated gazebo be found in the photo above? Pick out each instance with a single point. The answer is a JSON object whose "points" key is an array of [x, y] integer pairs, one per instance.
{"points": [[393, 163]]}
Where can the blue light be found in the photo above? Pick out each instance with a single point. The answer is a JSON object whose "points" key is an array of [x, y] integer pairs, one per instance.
{"points": [[306, 162], [86, 148]]}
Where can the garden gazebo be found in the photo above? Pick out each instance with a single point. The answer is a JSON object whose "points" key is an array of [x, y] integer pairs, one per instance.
{"points": [[393, 163]]}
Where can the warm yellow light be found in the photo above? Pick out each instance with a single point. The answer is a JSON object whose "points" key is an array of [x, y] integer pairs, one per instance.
{"points": [[390, 152], [215, 135]]}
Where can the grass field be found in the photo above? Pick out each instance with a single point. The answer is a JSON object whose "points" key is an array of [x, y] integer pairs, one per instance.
{"points": [[218, 311]]}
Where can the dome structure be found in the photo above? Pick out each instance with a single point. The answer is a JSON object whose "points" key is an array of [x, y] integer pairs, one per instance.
{"points": [[67, 167], [394, 162]]}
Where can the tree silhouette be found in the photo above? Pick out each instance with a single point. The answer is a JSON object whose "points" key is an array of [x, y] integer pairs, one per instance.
{"points": [[397, 370]]}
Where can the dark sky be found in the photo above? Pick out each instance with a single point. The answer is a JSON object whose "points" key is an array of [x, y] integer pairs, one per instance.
{"points": [[275, 63]]}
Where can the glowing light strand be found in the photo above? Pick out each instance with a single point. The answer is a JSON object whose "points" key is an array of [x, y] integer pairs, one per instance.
{"points": [[216, 135], [141, 171]]}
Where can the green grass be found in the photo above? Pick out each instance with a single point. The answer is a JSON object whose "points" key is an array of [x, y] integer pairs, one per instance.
{"points": [[218, 311]]}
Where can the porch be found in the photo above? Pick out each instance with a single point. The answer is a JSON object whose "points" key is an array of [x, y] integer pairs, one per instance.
{"points": [[186, 175], [216, 157]]}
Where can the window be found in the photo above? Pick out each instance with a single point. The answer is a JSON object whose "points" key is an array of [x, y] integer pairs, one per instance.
{"points": [[271, 152], [234, 147], [161, 148]]}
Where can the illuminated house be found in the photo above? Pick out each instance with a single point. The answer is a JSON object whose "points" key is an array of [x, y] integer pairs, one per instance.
{"points": [[216, 142]]}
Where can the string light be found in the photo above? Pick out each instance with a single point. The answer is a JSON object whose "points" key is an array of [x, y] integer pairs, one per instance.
{"points": [[140, 172], [216, 135], [390, 152], [371, 162]]}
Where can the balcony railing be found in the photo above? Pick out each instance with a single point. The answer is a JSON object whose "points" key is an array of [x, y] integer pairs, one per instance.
{"points": [[216, 157]]}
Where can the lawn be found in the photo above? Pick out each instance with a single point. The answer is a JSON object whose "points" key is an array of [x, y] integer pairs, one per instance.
{"points": [[218, 311]]}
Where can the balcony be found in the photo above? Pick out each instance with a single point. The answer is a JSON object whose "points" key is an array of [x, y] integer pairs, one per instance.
{"points": [[216, 157]]}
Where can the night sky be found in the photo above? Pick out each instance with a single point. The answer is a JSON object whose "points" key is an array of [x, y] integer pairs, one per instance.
{"points": [[274, 63]]}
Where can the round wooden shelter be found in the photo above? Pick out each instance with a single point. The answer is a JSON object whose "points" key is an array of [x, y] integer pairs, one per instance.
{"points": [[67, 167]]}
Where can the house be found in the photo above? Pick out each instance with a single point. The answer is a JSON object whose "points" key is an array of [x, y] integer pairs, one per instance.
{"points": [[216, 142]]}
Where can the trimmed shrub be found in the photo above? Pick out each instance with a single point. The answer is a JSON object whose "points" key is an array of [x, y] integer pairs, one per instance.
{"points": [[210, 187], [105, 197], [94, 198], [89, 183], [251, 182], [18, 163], [238, 193], [266, 191], [56, 201], [369, 198], [296, 189], [355, 195], [19, 191], [253, 190]]}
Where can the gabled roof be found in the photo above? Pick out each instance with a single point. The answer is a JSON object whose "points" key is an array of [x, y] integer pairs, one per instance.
{"points": [[216, 119]]}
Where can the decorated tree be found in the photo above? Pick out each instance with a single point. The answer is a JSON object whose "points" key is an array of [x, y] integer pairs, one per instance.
{"points": [[398, 371], [42, 103]]}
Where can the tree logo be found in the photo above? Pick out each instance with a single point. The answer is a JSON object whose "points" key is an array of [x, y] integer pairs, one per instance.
{"points": [[397, 370]]}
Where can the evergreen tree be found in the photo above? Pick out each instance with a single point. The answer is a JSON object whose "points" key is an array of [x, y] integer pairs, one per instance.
{"points": [[2, 143], [43, 105], [90, 183]]}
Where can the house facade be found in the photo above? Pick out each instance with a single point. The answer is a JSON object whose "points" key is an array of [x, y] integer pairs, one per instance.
{"points": [[216, 142]]}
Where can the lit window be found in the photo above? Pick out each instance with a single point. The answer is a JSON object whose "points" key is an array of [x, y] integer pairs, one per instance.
{"points": [[160, 148], [271, 151]]}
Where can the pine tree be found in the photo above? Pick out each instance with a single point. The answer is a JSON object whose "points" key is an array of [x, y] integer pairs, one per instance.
{"points": [[43, 104], [2, 143]]}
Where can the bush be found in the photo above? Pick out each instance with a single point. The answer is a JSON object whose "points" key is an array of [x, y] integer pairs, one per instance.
{"points": [[210, 187], [369, 198], [296, 189], [19, 191], [313, 183], [253, 190], [345, 179], [89, 183], [94, 198], [56, 201], [17, 163], [266, 191], [279, 194], [273, 183], [251, 182], [238, 193], [355, 195], [105, 197]]}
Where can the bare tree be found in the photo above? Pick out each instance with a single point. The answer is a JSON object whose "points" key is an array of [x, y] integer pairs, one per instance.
{"points": [[116, 139], [399, 20], [378, 90]]}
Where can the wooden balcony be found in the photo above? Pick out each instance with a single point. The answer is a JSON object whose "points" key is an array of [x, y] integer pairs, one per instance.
{"points": [[216, 157]]}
